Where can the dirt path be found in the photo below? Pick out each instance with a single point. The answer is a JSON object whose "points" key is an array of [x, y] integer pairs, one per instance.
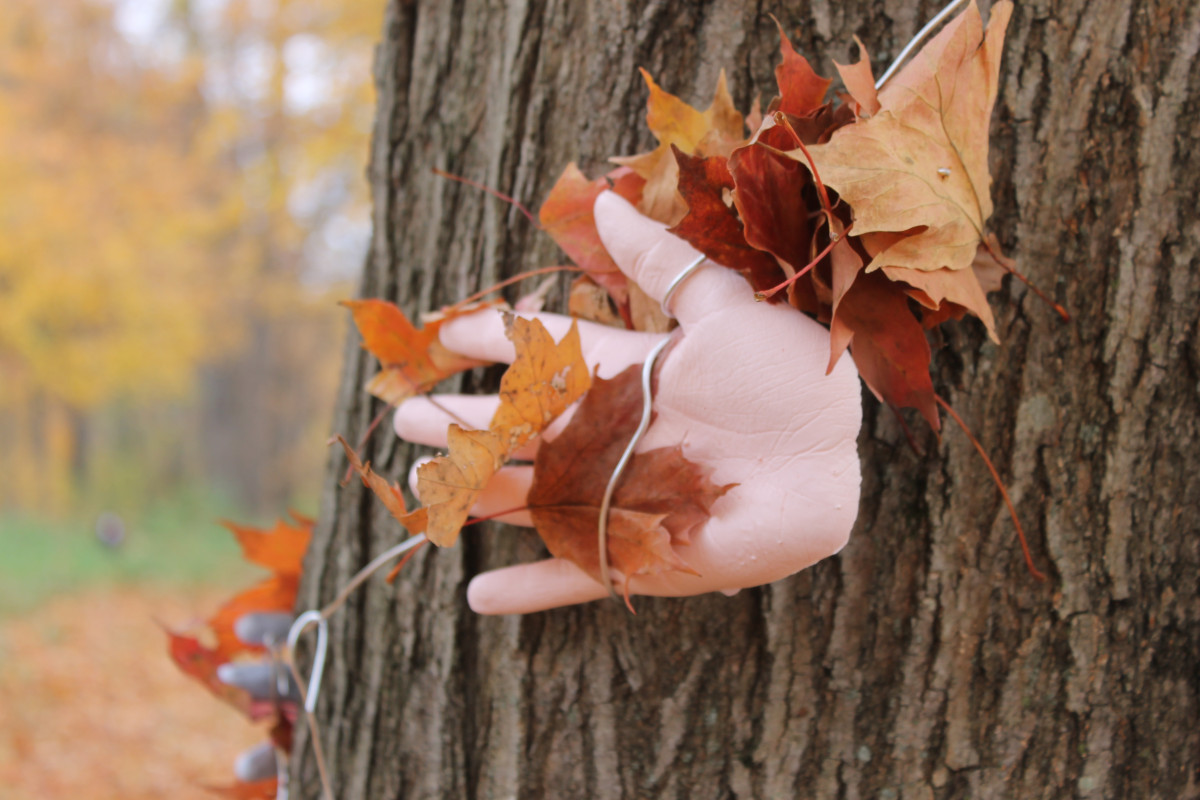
{"points": [[91, 706]]}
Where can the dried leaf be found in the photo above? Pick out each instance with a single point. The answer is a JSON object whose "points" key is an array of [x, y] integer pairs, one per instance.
{"points": [[588, 300], [277, 593], [860, 81], [801, 89], [543, 380], [712, 132], [280, 549], [390, 494], [920, 165], [887, 343], [413, 361], [201, 663], [660, 501], [774, 196], [568, 217], [712, 225]]}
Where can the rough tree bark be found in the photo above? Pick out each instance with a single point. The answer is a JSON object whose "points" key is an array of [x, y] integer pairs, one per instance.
{"points": [[924, 661]]}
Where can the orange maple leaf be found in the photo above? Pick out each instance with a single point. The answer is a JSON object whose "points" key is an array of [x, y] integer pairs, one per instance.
{"points": [[567, 216], [280, 549], [413, 361], [661, 499]]}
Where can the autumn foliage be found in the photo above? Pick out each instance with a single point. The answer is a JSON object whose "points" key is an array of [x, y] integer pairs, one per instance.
{"points": [[279, 549], [865, 209]]}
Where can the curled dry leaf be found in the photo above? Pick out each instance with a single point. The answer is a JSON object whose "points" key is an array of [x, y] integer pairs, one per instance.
{"points": [[543, 380], [918, 167], [390, 494], [661, 498], [412, 360], [568, 217]]}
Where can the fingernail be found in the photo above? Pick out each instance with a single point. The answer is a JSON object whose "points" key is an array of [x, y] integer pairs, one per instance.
{"points": [[264, 628], [256, 764], [262, 679]]}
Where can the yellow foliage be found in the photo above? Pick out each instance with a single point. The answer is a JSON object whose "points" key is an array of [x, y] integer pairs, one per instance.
{"points": [[145, 226]]}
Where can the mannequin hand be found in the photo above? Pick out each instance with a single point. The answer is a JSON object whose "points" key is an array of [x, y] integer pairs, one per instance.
{"points": [[744, 391]]}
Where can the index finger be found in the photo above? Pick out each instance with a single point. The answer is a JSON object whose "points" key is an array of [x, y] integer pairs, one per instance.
{"points": [[652, 257]]}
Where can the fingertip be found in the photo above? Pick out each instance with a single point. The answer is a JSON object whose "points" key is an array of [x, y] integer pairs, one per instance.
{"points": [[527, 588]]}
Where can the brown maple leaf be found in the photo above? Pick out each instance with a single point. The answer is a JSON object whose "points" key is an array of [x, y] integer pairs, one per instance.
{"points": [[542, 381], [413, 361], [661, 498]]}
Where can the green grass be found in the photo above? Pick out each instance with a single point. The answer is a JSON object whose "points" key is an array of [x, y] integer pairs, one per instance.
{"points": [[175, 542]]}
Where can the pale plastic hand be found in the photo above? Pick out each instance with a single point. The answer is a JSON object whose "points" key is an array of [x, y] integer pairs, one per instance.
{"points": [[744, 391]]}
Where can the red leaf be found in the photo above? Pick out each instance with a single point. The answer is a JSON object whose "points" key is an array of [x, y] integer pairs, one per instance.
{"points": [[774, 196], [201, 663], [712, 225], [887, 343], [801, 89]]}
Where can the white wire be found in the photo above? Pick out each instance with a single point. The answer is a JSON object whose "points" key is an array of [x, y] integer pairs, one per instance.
{"points": [[916, 40]]}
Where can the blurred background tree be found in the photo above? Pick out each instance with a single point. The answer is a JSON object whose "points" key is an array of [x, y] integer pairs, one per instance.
{"points": [[181, 203]]}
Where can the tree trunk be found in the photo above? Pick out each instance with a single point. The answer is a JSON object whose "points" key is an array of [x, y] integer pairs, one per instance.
{"points": [[924, 661]]}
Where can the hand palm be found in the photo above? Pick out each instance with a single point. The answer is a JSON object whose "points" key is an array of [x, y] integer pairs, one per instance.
{"points": [[743, 391]]}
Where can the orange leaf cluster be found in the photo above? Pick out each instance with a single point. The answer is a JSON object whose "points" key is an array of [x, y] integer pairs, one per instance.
{"points": [[858, 204], [661, 498], [544, 378], [279, 549]]}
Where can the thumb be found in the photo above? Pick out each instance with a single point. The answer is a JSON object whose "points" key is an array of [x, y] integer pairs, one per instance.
{"points": [[651, 256]]}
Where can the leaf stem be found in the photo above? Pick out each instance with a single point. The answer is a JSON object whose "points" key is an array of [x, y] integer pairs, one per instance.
{"points": [[812, 165], [1007, 265], [520, 276], [1012, 511], [499, 195], [834, 240]]}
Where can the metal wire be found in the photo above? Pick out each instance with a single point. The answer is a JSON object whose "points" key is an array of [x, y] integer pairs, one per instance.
{"points": [[643, 426], [677, 281], [916, 41]]}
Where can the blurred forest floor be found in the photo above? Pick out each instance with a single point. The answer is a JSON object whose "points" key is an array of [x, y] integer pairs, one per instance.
{"points": [[92, 707]]}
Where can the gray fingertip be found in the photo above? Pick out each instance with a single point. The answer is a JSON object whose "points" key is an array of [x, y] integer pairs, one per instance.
{"points": [[263, 680], [256, 764], [266, 628]]}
